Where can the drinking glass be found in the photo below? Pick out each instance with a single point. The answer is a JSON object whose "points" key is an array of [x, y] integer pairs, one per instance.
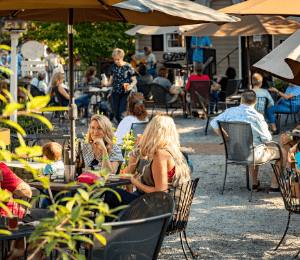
{"points": [[12, 222]]}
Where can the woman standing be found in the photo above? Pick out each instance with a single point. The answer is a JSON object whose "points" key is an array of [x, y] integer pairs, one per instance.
{"points": [[122, 78]]}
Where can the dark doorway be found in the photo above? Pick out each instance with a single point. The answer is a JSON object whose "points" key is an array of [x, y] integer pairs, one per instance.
{"points": [[259, 46]]}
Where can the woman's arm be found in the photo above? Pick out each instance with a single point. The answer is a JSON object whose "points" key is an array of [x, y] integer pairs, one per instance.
{"points": [[216, 88], [63, 92], [111, 81], [159, 172], [133, 81]]}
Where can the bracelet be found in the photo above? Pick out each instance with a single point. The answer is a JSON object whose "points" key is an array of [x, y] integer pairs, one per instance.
{"points": [[292, 139], [105, 158]]}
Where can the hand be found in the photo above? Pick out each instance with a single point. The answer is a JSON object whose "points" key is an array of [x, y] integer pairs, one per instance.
{"points": [[291, 157], [135, 179], [138, 63], [100, 143], [285, 139], [274, 90]]}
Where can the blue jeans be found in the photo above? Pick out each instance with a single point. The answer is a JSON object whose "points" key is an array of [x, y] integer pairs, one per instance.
{"points": [[153, 72], [120, 103], [46, 202], [83, 101], [214, 98], [270, 112]]}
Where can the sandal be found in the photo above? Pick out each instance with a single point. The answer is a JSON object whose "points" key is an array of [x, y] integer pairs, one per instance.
{"points": [[255, 187], [274, 132], [203, 116]]}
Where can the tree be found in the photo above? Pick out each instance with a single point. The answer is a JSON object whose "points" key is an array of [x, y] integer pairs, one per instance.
{"points": [[92, 41]]}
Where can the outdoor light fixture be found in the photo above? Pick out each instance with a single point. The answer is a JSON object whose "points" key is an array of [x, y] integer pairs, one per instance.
{"points": [[14, 25]]}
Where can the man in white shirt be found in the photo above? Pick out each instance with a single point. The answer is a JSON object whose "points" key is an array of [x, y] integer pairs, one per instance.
{"points": [[151, 60]]}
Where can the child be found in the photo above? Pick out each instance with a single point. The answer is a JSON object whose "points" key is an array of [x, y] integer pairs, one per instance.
{"points": [[52, 151]]}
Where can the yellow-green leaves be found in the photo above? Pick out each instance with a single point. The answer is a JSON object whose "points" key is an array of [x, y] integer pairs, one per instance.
{"points": [[47, 109], [10, 107], [42, 119], [14, 125], [38, 102]]}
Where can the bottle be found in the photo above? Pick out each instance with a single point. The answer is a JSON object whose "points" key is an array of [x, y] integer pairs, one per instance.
{"points": [[79, 164], [104, 80]]}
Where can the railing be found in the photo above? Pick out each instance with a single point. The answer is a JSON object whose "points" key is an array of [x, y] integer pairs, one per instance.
{"points": [[226, 57], [78, 74]]}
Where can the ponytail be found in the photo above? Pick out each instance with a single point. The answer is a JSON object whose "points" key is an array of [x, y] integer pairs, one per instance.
{"points": [[88, 74]]}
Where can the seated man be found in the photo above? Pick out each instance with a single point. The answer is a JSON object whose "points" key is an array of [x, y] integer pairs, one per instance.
{"points": [[18, 187], [144, 79], [172, 96], [288, 99], [261, 135]]}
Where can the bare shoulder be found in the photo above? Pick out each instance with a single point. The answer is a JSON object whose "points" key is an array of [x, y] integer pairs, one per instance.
{"points": [[162, 154]]}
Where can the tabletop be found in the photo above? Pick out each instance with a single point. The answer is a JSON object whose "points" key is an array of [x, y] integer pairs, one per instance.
{"points": [[59, 186], [23, 231], [29, 137], [17, 164]]}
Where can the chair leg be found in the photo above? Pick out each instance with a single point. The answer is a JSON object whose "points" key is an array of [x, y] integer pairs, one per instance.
{"points": [[224, 178], [183, 249], [286, 229], [278, 122], [208, 118], [247, 177], [252, 183], [296, 255], [194, 255]]}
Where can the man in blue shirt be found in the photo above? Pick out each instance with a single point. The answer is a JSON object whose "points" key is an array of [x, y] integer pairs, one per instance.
{"points": [[201, 43], [289, 103], [261, 135]]}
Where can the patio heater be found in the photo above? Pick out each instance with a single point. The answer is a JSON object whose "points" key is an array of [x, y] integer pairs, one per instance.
{"points": [[14, 28]]}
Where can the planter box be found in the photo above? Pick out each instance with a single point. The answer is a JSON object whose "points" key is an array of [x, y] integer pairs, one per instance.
{"points": [[5, 135]]}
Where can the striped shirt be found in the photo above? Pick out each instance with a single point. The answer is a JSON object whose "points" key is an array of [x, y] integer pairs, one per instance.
{"points": [[261, 94], [294, 102]]}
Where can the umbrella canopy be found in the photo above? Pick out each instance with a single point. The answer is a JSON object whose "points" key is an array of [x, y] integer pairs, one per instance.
{"points": [[150, 12], [156, 30], [284, 61], [267, 7], [248, 26]]}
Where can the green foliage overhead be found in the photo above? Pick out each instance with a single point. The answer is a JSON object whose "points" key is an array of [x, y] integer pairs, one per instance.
{"points": [[91, 40]]}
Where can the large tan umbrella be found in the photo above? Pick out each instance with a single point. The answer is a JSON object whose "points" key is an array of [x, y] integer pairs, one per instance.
{"points": [[284, 61], [145, 12], [248, 26], [265, 7]]}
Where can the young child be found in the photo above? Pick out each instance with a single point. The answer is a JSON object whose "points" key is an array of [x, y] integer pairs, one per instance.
{"points": [[52, 151]]}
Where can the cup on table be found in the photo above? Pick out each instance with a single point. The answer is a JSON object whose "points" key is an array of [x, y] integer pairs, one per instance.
{"points": [[126, 87], [12, 222]]}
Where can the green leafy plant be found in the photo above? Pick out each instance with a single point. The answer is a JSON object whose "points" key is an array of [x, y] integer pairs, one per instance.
{"points": [[129, 142], [278, 84]]}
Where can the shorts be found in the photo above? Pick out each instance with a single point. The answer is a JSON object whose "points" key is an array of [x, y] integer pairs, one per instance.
{"points": [[269, 153], [174, 98]]}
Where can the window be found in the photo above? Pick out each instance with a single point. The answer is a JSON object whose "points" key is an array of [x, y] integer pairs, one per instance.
{"points": [[157, 42], [174, 40]]}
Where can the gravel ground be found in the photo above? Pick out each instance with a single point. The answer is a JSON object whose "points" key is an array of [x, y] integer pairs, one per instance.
{"points": [[229, 226]]}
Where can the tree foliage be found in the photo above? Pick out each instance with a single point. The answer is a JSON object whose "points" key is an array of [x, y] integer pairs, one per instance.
{"points": [[92, 41]]}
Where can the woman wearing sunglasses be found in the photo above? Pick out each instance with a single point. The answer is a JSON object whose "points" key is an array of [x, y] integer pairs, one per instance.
{"points": [[99, 152]]}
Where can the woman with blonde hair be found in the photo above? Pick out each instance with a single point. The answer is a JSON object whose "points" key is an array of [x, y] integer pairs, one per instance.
{"points": [[58, 89], [122, 78], [136, 113], [158, 160], [99, 152]]}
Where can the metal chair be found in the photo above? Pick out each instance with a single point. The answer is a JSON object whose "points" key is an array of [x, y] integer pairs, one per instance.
{"points": [[289, 185], [205, 105], [139, 231], [138, 128], [60, 102], [183, 196], [239, 148], [294, 111], [231, 90], [159, 97], [261, 105], [145, 89], [202, 87]]}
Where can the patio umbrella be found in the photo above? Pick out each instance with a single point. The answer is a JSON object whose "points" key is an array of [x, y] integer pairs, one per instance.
{"points": [[284, 61], [265, 7], [248, 26], [147, 12]]}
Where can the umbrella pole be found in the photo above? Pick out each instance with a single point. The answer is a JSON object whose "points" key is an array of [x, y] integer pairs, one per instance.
{"points": [[72, 106], [248, 62]]}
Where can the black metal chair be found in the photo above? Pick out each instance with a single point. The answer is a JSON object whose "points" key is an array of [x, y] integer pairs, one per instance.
{"points": [[231, 90], [145, 89], [183, 196], [239, 148], [294, 111], [139, 231], [159, 98], [288, 182], [59, 97], [34, 91], [138, 128], [200, 86], [205, 105]]}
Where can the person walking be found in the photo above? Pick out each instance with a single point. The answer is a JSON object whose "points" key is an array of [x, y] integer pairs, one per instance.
{"points": [[122, 78]]}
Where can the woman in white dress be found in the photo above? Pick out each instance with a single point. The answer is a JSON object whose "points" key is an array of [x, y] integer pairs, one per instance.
{"points": [[136, 113]]}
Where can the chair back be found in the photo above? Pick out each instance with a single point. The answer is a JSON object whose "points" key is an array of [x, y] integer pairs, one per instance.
{"points": [[158, 93], [294, 104], [232, 87], [139, 231], [59, 97], [138, 128], [271, 84], [238, 141], [183, 196], [285, 86], [288, 183], [145, 89], [202, 87], [261, 105], [34, 91]]}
